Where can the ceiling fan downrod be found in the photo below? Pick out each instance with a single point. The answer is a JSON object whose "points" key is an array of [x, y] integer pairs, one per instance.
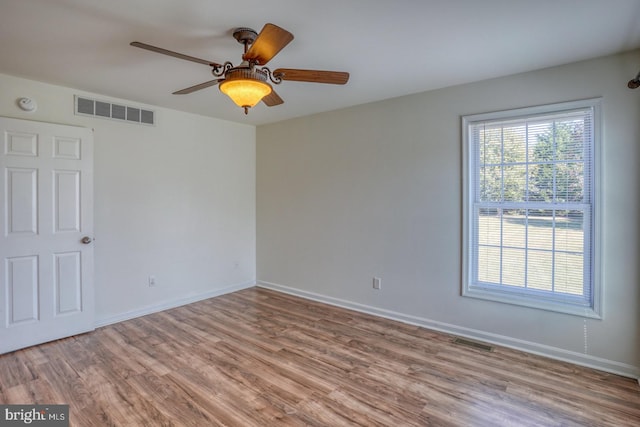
{"points": [[245, 36]]}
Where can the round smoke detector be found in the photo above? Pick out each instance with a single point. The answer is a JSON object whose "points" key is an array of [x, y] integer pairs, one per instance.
{"points": [[27, 104]]}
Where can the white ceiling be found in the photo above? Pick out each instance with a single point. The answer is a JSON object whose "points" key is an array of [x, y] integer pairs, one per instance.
{"points": [[390, 47]]}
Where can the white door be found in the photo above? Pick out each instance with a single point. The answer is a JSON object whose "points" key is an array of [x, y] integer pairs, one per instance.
{"points": [[46, 271]]}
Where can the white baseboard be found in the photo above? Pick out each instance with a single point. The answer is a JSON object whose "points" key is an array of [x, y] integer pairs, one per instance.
{"points": [[166, 305], [504, 341]]}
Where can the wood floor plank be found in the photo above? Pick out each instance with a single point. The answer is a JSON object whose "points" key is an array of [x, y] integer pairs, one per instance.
{"points": [[262, 358]]}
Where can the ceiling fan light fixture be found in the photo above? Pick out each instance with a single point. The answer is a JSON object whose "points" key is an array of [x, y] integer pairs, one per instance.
{"points": [[246, 87], [249, 83]]}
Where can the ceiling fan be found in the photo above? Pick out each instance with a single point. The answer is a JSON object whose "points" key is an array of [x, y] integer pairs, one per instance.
{"points": [[248, 83]]}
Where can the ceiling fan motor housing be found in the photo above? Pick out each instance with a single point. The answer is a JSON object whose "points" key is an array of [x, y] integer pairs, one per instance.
{"points": [[241, 72]]}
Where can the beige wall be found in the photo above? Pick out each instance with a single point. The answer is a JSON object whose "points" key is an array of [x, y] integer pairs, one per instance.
{"points": [[176, 200], [375, 190]]}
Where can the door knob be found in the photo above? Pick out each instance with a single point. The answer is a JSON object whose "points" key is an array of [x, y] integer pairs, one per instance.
{"points": [[86, 240]]}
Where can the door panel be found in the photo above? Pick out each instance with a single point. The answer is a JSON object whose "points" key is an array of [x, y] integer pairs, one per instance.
{"points": [[46, 272], [68, 283], [22, 201], [22, 283], [21, 144], [67, 201]]}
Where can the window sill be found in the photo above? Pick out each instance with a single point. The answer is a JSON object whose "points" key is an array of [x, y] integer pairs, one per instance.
{"points": [[524, 301]]}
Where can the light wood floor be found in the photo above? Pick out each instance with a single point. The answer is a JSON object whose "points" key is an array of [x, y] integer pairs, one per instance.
{"points": [[261, 358]]}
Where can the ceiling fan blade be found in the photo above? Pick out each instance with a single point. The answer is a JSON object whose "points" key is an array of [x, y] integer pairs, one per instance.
{"points": [[272, 99], [270, 41], [174, 54], [197, 87], [313, 76]]}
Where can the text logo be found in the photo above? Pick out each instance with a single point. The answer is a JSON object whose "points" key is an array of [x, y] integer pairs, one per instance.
{"points": [[34, 415]]}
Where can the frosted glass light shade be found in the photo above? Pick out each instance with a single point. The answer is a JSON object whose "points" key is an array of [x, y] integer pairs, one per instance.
{"points": [[245, 92]]}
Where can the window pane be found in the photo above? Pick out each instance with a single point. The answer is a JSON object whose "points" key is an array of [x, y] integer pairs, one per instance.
{"points": [[514, 231], [489, 228], [514, 183], [539, 270], [491, 184], [489, 264], [568, 270], [534, 130], [569, 232], [569, 182], [569, 140], [513, 266], [541, 182], [490, 146], [540, 229], [514, 144]]}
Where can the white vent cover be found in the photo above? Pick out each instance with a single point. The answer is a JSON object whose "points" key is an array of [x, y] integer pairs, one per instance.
{"points": [[107, 110]]}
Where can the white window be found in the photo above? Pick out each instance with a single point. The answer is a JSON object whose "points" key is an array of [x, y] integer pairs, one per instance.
{"points": [[529, 208]]}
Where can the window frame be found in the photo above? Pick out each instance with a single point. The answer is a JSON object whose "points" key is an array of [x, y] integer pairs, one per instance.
{"points": [[529, 298]]}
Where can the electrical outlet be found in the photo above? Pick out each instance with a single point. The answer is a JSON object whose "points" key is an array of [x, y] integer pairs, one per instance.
{"points": [[152, 281], [377, 283]]}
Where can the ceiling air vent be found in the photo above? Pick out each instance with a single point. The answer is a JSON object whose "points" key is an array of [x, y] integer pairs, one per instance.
{"points": [[107, 110]]}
